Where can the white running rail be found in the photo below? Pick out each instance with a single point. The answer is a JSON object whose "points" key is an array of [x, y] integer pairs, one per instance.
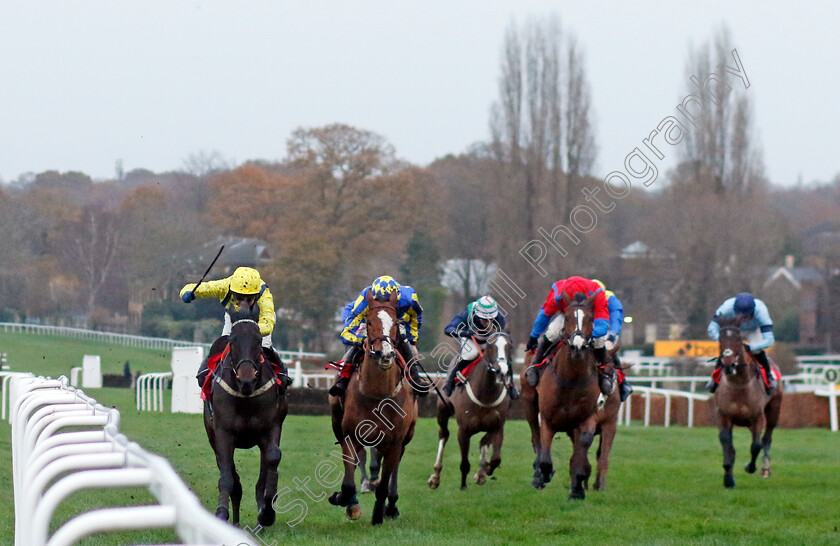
{"points": [[48, 466], [150, 389]]}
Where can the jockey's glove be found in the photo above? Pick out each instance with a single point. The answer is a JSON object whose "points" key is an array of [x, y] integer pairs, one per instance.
{"points": [[532, 343]]}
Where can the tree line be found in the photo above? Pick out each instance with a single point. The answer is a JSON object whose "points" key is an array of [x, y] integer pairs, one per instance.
{"points": [[342, 208]]}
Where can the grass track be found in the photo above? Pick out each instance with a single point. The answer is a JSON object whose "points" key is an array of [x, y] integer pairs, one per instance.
{"points": [[664, 486]]}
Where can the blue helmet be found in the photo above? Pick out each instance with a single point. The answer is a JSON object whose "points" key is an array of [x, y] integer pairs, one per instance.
{"points": [[383, 286], [744, 304]]}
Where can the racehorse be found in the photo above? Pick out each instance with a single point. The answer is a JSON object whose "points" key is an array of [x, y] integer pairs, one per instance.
{"points": [[567, 400], [245, 408], [378, 409], [742, 400], [480, 406]]}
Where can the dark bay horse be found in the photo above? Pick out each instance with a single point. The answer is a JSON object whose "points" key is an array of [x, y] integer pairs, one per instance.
{"points": [[566, 400], [378, 409], [246, 408], [742, 400], [480, 406]]}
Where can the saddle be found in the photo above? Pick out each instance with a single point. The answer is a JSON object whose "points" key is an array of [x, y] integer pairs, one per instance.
{"points": [[462, 376]]}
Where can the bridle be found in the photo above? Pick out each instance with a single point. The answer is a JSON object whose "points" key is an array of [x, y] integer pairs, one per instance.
{"points": [[578, 339], [730, 358], [384, 337], [235, 367]]}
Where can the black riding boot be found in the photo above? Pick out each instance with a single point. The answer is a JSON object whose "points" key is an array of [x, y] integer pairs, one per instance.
{"points": [[449, 386], [274, 356], [711, 386], [534, 372], [340, 386], [606, 379], [513, 391], [761, 357], [624, 388], [203, 370]]}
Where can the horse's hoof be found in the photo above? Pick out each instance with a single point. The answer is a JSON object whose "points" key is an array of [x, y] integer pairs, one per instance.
{"points": [[750, 468], [480, 479], [434, 481], [335, 499], [266, 516], [374, 484], [463, 487], [223, 514], [765, 472], [729, 482], [392, 512], [365, 488], [537, 482], [353, 512], [577, 494]]}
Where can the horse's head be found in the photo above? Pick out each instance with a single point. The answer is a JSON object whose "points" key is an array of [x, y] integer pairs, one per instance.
{"points": [[579, 319], [498, 355], [245, 349], [730, 342], [382, 329]]}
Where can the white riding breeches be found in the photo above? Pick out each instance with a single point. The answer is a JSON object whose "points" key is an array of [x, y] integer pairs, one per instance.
{"points": [[555, 328], [266, 340], [469, 349]]}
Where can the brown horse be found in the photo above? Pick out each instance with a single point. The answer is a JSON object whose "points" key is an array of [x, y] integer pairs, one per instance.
{"points": [[567, 400], [742, 400], [378, 409], [480, 406], [246, 408]]}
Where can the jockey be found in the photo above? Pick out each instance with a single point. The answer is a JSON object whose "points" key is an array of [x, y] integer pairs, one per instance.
{"points": [[550, 320], [616, 322], [480, 319], [244, 288], [409, 315], [756, 327]]}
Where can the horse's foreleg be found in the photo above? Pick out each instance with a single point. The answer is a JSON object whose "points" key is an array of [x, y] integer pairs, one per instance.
{"points": [[543, 462], [755, 445], [483, 465], [529, 404], [350, 449], [604, 447], [235, 497], [443, 437], [227, 482], [375, 465], [771, 413], [392, 460], [496, 458], [725, 436], [364, 486], [464, 444], [579, 462], [270, 456], [391, 510]]}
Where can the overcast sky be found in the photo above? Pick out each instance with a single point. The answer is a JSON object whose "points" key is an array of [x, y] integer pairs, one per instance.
{"points": [[86, 83]]}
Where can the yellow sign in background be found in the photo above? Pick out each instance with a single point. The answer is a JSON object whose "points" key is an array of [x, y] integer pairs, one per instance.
{"points": [[688, 348]]}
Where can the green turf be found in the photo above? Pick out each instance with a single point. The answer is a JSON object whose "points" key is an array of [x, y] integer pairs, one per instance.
{"points": [[665, 486]]}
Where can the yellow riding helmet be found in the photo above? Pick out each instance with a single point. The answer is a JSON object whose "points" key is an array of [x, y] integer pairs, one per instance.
{"points": [[599, 283], [245, 280], [383, 286]]}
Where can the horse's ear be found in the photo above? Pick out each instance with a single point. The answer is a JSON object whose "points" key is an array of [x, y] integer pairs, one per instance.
{"points": [[369, 297], [566, 298], [394, 298], [614, 351], [591, 299]]}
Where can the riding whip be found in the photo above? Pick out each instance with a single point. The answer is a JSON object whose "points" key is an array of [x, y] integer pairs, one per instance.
{"points": [[201, 280]]}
